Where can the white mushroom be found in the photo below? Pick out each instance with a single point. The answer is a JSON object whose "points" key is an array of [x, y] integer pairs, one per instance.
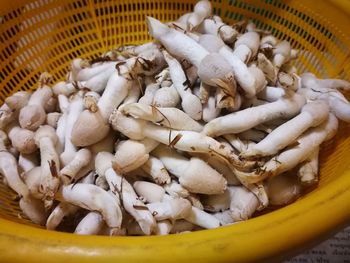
{"points": [[45, 139], [92, 198], [168, 117]]}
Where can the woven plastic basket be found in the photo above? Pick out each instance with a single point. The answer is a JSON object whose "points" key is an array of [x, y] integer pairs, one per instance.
{"points": [[45, 35]]}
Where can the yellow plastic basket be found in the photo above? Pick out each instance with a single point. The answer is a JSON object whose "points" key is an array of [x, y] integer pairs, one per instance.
{"points": [[45, 35]]}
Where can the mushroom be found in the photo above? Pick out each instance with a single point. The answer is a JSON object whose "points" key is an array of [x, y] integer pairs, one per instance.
{"points": [[45, 139]]}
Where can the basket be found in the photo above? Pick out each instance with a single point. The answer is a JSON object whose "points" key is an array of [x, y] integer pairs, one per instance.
{"points": [[45, 35]]}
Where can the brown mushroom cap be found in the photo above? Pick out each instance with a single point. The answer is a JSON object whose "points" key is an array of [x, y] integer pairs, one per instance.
{"points": [[31, 117], [89, 128]]}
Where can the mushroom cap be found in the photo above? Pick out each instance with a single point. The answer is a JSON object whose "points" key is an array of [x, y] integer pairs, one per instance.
{"points": [[129, 155], [46, 131], [283, 189], [89, 128], [283, 48], [150, 191], [18, 100], [24, 141], [200, 178], [211, 43], [31, 117], [251, 40], [166, 97], [192, 105], [214, 66], [156, 28], [203, 8]]}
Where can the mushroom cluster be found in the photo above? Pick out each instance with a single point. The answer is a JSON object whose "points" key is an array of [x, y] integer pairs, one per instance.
{"points": [[200, 128]]}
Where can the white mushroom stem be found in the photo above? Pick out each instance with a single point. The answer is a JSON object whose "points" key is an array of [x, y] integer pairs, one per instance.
{"points": [[58, 213], [189, 102], [131, 202], [271, 94], [173, 209], [33, 114], [149, 93], [76, 107], [202, 219], [17, 100], [210, 111], [224, 217], [27, 162], [250, 117], [98, 82], [9, 169], [69, 172], [62, 123], [131, 154], [52, 119], [150, 192], [91, 224], [93, 198], [194, 174], [308, 170], [133, 94], [45, 139], [309, 80], [176, 190], [166, 97], [213, 27], [246, 46], [34, 209], [281, 53], [168, 117], [90, 72], [243, 203], [64, 88], [188, 141], [291, 157], [21, 139], [155, 168], [201, 11], [283, 189], [312, 114], [163, 227]]}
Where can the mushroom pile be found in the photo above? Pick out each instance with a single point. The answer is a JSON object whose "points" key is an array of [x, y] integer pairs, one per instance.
{"points": [[200, 128]]}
